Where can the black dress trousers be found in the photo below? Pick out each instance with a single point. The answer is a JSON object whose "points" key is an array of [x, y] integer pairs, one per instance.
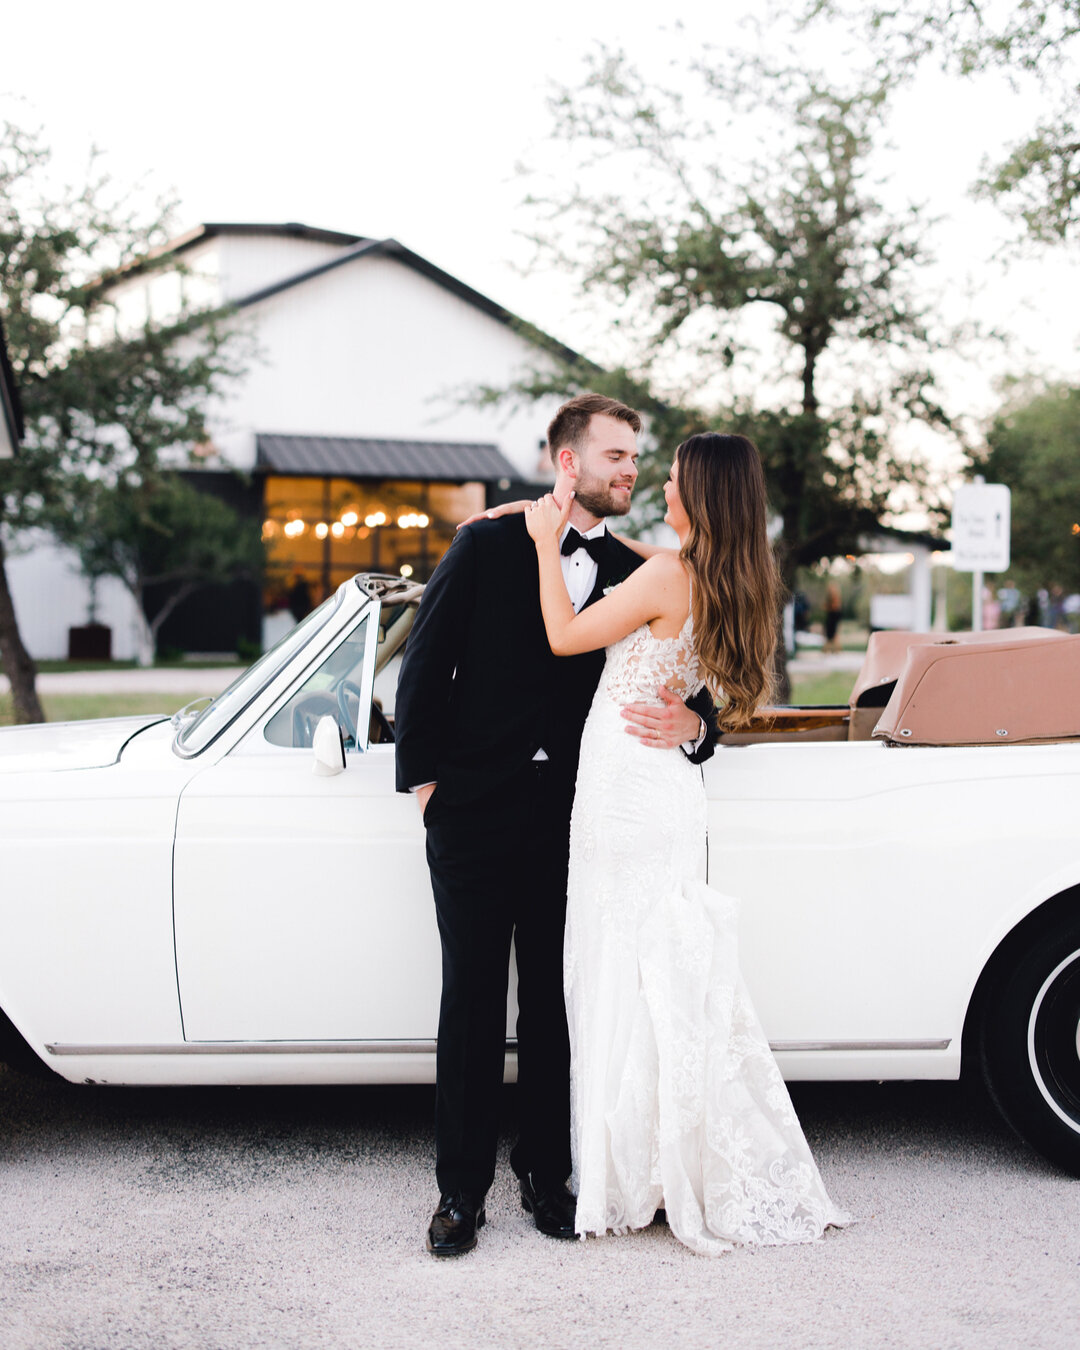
{"points": [[498, 870]]}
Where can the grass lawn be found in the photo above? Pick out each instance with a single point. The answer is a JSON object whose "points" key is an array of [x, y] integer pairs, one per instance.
{"points": [[833, 687], [76, 707], [180, 663]]}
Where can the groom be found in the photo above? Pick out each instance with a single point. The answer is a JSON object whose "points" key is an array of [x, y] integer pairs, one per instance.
{"points": [[488, 727]]}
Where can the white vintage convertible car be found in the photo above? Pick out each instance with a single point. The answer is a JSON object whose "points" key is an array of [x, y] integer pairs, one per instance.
{"points": [[205, 900]]}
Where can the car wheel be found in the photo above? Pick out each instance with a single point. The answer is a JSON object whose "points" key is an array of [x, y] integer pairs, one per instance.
{"points": [[1031, 1044]]}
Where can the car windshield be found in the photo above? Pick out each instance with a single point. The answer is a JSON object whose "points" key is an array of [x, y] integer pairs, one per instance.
{"points": [[197, 734]]}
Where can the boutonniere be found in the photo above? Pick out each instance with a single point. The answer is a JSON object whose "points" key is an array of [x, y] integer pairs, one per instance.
{"points": [[612, 584]]}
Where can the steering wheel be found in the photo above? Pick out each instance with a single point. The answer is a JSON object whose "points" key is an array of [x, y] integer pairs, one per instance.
{"points": [[347, 720]]}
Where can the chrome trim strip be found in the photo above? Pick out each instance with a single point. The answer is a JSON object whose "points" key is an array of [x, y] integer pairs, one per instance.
{"points": [[778, 1046], [409, 1047], [259, 1048]]}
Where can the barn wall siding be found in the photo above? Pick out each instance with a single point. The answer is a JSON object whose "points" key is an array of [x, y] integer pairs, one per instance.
{"points": [[51, 595]]}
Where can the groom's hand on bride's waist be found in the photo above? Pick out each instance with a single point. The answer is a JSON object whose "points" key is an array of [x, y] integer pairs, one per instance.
{"points": [[667, 725]]}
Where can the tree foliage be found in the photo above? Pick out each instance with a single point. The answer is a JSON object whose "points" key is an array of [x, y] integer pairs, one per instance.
{"points": [[1034, 448], [692, 241], [102, 402], [1037, 182]]}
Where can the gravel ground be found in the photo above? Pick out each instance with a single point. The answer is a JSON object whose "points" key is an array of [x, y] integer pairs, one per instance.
{"points": [[237, 1218]]}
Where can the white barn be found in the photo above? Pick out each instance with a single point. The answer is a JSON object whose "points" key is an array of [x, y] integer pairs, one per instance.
{"points": [[351, 421]]}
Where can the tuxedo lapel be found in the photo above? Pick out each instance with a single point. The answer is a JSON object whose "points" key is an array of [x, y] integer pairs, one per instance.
{"points": [[614, 566]]}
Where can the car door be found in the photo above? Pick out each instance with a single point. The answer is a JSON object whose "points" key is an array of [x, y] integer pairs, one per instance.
{"points": [[876, 882], [303, 909]]}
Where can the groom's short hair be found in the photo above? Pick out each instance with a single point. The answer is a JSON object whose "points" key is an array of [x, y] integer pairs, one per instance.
{"points": [[570, 425]]}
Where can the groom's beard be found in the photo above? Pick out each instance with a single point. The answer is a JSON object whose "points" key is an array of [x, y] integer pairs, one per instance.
{"points": [[597, 497]]}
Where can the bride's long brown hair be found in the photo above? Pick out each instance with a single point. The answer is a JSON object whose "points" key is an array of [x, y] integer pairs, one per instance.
{"points": [[736, 583]]}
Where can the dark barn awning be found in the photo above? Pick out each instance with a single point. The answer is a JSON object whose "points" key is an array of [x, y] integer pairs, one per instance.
{"points": [[361, 457]]}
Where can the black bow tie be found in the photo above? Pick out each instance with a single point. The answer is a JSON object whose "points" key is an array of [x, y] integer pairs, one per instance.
{"points": [[593, 547]]}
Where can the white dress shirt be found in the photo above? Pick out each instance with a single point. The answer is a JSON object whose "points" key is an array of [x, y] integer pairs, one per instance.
{"points": [[579, 571], [579, 568]]}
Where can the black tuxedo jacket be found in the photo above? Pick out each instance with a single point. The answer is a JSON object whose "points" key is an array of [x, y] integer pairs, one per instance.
{"points": [[479, 690]]}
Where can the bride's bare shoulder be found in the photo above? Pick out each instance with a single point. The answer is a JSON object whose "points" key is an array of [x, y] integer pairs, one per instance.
{"points": [[667, 568], [668, 586]]}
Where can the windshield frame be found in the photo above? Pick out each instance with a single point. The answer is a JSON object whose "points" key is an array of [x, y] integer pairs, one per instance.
{"points": [[253, 682]]}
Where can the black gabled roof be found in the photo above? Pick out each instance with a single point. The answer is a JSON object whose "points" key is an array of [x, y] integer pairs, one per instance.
{"points": [[196, 235], [357, 246], [10, 404], [292, 229]]}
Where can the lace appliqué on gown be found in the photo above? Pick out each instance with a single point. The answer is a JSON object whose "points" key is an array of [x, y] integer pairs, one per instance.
{"points": [[638, 664], [676, 1097]]}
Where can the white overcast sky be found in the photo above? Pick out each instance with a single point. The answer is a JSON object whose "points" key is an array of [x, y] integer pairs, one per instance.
{"points": [[408, 120]]}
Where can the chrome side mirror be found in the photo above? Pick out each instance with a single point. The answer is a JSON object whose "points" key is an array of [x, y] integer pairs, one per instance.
{"points": [[328, 744]]}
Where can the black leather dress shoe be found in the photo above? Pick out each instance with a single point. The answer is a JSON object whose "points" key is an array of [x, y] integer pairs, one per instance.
{"points": [[552, 1207], [452, 1231]]}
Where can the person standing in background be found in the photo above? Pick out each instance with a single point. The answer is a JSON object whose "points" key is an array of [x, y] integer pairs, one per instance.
{"points": [[833, 605]]}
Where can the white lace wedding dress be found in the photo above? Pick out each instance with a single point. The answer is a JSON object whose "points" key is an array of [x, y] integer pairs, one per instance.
{"points": [[676, 1099]]}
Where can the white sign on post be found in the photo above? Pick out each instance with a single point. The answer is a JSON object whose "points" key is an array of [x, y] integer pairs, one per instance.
{"points": [[980, 528]]}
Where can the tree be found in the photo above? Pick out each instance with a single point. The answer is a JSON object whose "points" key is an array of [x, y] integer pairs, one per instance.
{"points": [[99, 401], [159, 530], [1034, 447], [688, 246], [1038, 180]]}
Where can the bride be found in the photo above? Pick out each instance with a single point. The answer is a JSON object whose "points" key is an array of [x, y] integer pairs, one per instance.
{"points": [[677, 1102]]}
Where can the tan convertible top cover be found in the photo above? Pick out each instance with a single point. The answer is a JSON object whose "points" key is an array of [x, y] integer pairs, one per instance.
{"points": [[887, 651], [1018, 685]]}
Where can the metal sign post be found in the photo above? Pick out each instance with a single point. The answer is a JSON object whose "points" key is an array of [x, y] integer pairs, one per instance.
{"points": [[981, 528]]}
